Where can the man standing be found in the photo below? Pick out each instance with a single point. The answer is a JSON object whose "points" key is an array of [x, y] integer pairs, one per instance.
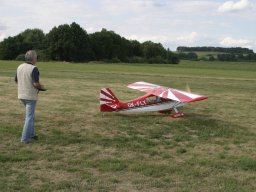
{"points": [[27, 78]]}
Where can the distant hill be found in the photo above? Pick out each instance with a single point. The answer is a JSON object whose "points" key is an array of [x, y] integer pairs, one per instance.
{"points": [[216, 53], [233, 50]]}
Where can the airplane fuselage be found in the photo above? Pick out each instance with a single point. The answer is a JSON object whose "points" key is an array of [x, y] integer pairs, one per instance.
{"points": [[145, 103]]}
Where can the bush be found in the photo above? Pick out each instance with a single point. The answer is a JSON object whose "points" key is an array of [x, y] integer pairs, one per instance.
{"points": [[135, 59], [115, 60], [157, 59], [20, 57], [175, 60], [42, 55]]}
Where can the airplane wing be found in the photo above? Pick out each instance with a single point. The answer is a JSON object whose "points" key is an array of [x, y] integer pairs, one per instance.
{"points": [[166, 92]]}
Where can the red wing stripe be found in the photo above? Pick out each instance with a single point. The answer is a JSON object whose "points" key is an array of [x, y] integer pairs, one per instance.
{"points": [[165, 94], [199, 98], [146, 89], [181, 97], [172, 96], [158, 91]]}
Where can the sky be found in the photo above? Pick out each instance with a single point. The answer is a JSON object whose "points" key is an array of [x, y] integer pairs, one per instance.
{"points": [[173, 23]]}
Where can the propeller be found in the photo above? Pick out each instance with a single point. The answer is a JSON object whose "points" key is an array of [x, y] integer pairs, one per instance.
{"points": [[188, 88]]}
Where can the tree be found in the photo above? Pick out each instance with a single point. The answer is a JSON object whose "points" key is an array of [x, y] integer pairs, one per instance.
{"points": [[68, 43], [11, 47], [234, 50], [192, 56], [32, 39], [72, 43], [101, 43], [151, 49], [171, 58], [154, 52], [135, 49], [108, 45], [188, 56], [211, 58]]}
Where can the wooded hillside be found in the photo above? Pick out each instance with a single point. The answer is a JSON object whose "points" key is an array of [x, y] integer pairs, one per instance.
{"points": [[216, 53], [72, 43]]}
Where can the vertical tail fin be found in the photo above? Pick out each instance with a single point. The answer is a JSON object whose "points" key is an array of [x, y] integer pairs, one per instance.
{"points": [[108, 100]]}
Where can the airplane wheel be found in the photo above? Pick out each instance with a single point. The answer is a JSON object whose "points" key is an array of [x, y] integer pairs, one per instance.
{"points": [[177, 115]]}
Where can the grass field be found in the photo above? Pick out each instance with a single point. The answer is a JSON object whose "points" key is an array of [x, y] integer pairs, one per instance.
{"points": [[213, 148], [202, 54]]}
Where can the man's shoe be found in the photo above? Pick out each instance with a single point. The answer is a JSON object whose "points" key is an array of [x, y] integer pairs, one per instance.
{"points": [[35, 137], [25, 142]]}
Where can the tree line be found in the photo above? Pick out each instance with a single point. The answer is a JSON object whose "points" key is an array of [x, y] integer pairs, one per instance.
{"points": [[234, 50], [217, 54], [72, 43]]}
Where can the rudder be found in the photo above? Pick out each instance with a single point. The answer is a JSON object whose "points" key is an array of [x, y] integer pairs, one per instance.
{"points": [[107, 100]]}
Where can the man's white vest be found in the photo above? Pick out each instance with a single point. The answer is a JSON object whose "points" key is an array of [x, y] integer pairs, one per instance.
{"points": [[26, 90]]}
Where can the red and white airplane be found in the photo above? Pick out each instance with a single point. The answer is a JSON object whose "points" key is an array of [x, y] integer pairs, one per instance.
{"points": [[157, 98]]}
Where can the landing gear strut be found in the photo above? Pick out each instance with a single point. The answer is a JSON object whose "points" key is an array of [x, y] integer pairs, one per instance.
{"points": [[177, 114]]}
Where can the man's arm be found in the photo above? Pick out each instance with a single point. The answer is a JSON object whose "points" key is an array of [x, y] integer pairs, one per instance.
{"points": [[39, 86], [16, 78], [35, 79]]}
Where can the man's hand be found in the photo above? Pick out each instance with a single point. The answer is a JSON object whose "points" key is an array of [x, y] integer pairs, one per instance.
{"points": [[39, 86]]}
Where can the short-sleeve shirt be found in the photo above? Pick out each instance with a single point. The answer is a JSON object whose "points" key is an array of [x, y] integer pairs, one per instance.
{"points": [[35, 75]]}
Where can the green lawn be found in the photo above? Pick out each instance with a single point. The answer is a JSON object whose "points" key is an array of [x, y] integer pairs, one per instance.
{"points": [[202, 54], [80, 149]]}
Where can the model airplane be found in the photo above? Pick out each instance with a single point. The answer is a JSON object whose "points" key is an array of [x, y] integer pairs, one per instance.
{"points": [[157, 98]]}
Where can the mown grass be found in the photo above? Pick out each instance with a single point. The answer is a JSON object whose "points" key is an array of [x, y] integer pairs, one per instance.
{"points": [[202, 54], [80, 149]]}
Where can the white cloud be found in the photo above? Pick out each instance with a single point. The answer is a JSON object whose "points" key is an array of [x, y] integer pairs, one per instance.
{"points": [[154, 38], [188, 39], [90, 29], [230, 42], [2, 36], [231, 6], [194, 6]]}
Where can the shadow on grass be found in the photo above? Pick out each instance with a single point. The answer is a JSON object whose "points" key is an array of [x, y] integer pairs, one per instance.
{"points": [[206, 126], [147, 133], [202, 126]]}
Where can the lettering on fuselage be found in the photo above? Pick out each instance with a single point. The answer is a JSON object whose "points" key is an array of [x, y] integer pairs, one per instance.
{"points": [[137, 103], [113, 106]]}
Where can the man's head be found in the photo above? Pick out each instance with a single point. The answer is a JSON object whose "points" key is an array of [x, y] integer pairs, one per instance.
{"points": [[31, 56]]}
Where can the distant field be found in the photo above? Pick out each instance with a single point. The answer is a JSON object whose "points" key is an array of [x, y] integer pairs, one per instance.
{"points": [[80, 149], [202, 54]]}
